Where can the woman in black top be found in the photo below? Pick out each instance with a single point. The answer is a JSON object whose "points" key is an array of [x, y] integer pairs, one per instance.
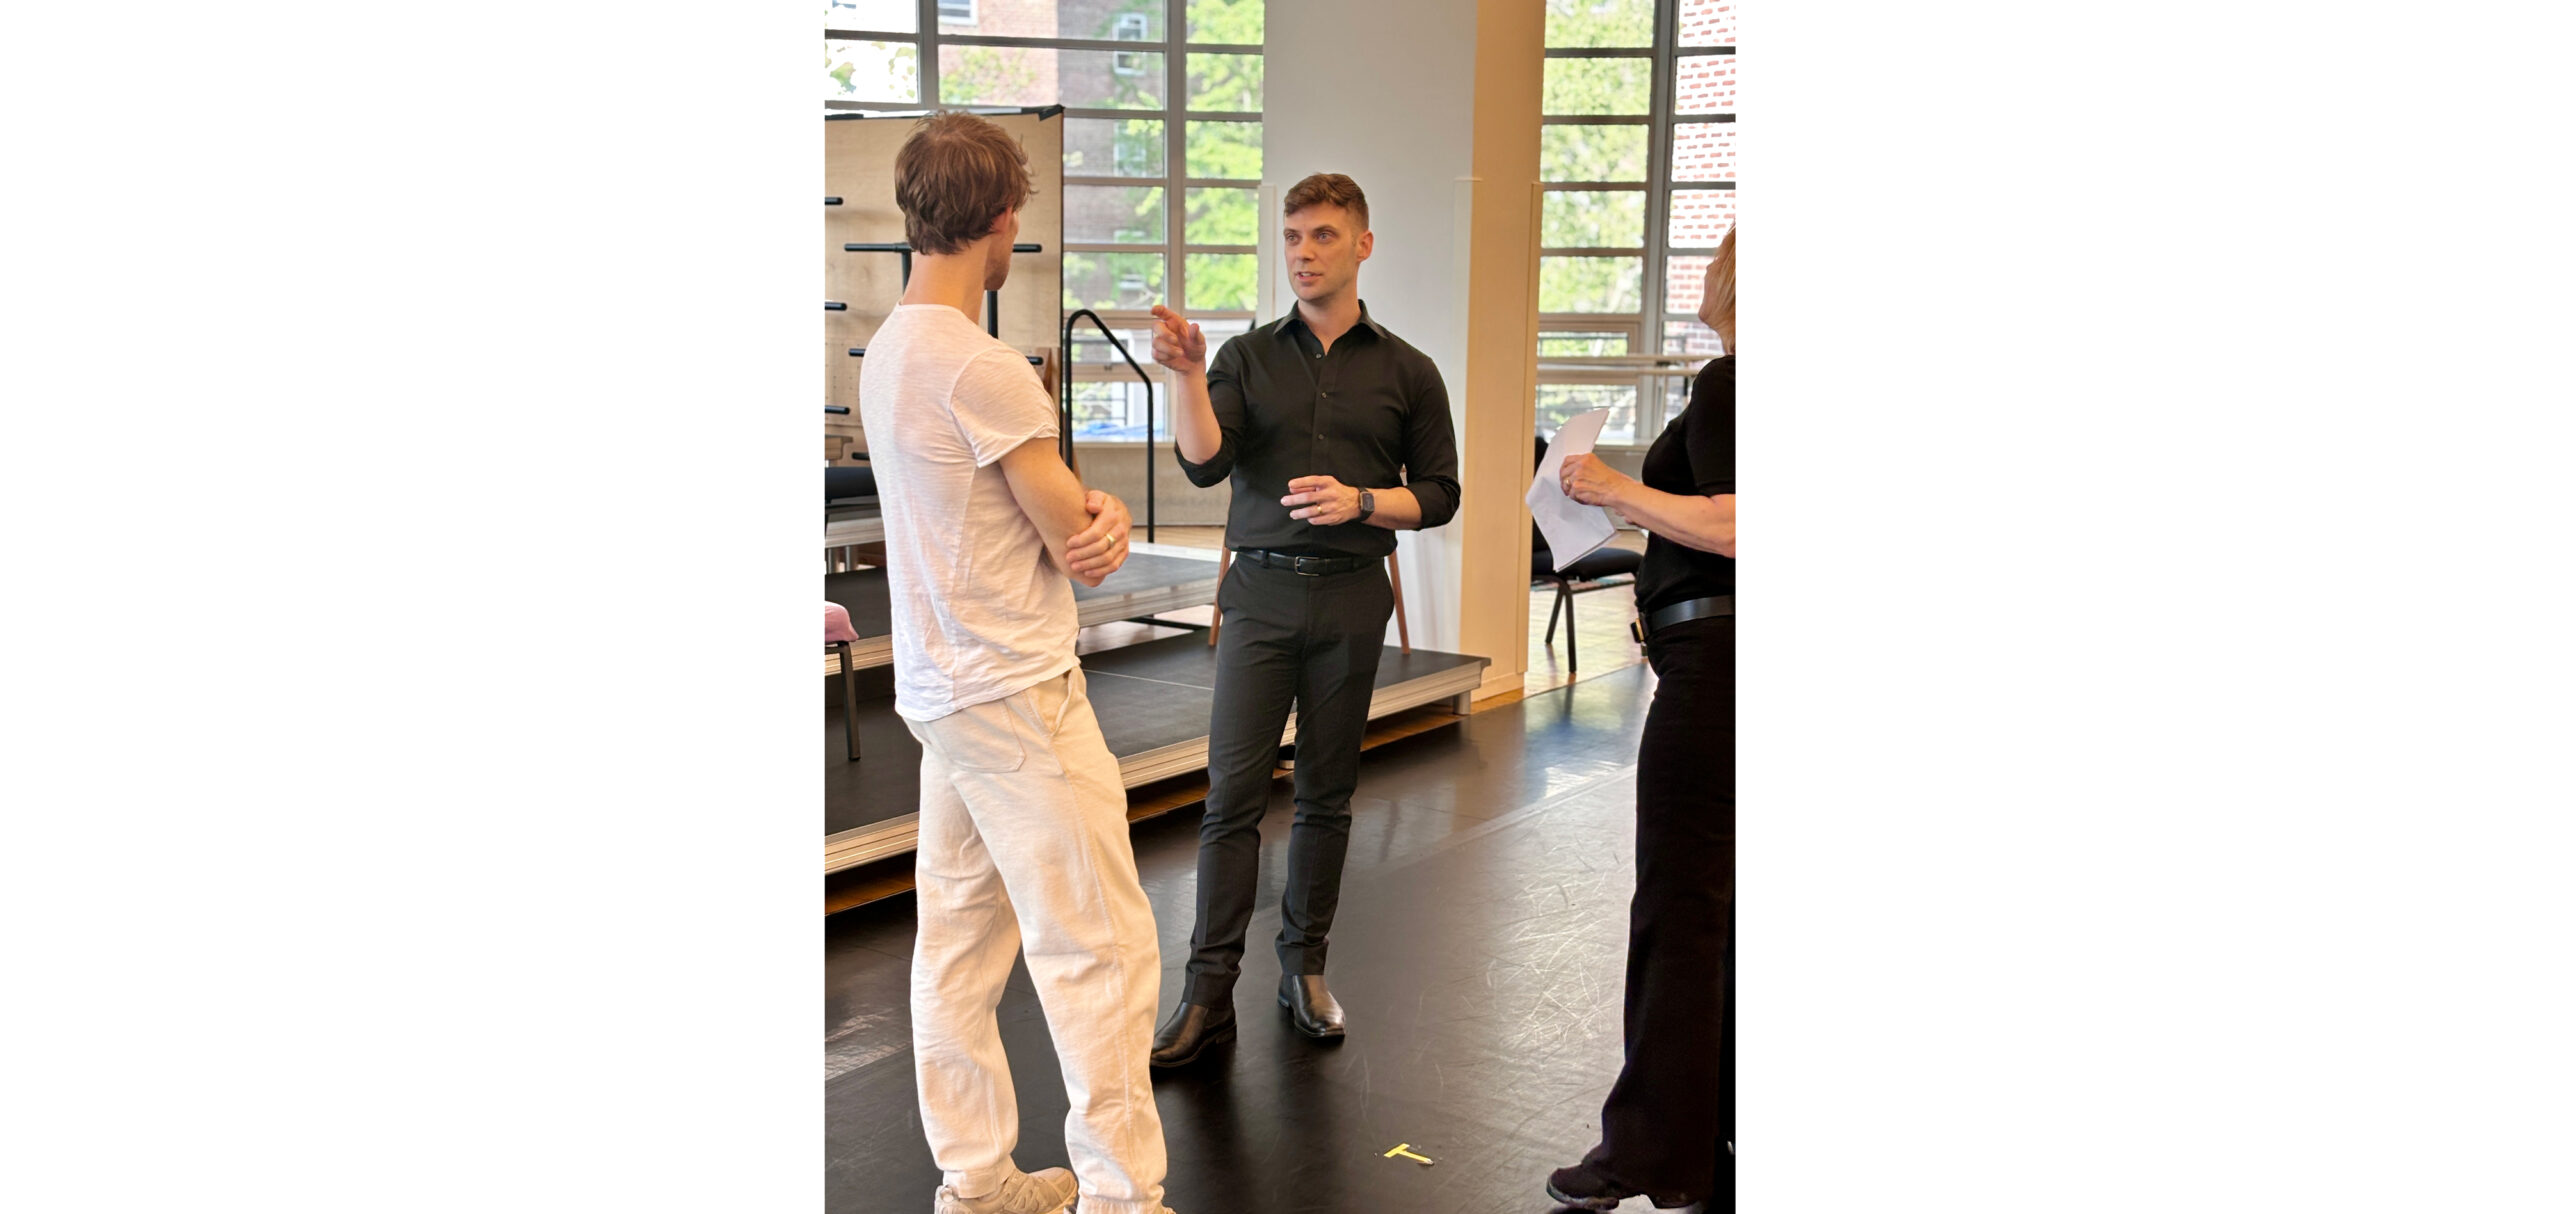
{"points": [[1667, 1128]]}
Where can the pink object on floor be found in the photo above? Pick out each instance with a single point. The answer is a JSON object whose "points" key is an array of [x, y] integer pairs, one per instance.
{"points": [[840, 625]]}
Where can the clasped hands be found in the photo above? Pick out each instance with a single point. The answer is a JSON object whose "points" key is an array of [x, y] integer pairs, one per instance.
{"points": [[1322, 500], [1099, 550]]}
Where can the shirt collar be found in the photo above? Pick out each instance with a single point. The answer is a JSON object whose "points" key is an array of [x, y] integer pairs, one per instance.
{"points": [[1363, 323]]}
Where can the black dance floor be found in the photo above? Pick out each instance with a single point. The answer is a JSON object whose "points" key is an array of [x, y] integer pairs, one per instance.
{"points": [[1479, 955]]}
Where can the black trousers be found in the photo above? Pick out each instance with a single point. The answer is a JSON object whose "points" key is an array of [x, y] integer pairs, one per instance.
{"points": [[1666, 1123], [1286, 638]]}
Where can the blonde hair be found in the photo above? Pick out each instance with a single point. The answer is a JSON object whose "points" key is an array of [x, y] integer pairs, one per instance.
{"points": [[1717, 311]]}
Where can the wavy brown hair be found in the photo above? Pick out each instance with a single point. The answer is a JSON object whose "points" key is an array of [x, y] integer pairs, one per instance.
{"points": [[958, 173]]}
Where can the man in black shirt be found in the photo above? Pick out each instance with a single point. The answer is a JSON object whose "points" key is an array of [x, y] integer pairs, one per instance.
{"points": [[1337, 434]]}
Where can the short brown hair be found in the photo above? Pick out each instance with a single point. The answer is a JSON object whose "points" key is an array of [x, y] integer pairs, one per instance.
{"points": [[1335, 188], [955, 175]]}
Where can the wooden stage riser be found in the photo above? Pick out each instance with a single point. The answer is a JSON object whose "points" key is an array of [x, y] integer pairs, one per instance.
{"points": [[1153, 701], [855, 532], [888, 874], [1093, 606], [897, 836]]}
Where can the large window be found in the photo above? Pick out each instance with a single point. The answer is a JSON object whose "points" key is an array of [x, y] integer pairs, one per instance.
{"points": [[1637, 159], [1163, 177]]}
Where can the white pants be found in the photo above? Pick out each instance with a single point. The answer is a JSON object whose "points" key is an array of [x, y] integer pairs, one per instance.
{"points": [[1023, 843]]}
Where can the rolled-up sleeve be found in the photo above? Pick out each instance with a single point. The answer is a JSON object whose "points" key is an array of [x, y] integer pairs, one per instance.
{"points": [[1226, 399], [1430, 446]]}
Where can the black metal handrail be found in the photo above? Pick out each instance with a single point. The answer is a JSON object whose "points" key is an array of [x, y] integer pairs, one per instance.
{"points": [[1066, 397]]}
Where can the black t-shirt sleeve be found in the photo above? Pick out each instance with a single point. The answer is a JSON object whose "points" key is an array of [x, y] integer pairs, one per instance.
{"points": [[1710, 429]]}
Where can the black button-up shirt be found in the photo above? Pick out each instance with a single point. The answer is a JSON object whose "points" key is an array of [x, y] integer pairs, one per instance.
{"points": [[1371, 413]]}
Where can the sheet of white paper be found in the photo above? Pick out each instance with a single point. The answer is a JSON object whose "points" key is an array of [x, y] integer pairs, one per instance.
{"points": [[1573, 530]]}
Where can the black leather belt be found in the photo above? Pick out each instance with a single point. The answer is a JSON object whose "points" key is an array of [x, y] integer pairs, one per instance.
{"points": [[1306, 566], [1681, 613]]}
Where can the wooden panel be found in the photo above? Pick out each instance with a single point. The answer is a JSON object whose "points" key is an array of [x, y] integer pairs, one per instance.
{"points": [[1501, 284], [1031, 302]]}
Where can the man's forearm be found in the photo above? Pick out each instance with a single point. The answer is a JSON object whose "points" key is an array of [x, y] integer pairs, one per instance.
{"points": [[1195, 424], [1397, 509], [1048, 491]]}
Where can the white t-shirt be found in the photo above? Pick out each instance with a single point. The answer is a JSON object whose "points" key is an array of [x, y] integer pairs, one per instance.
{"points": [[977, 610]]}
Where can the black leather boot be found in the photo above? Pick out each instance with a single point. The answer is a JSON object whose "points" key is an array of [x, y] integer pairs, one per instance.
{"points": [[1312, 1010], [1581, 1188], [1190, 1030]]}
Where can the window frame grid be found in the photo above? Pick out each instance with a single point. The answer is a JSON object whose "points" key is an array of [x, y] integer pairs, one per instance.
{"points": [[1648, 326], [928, 41], [1660, 404]]}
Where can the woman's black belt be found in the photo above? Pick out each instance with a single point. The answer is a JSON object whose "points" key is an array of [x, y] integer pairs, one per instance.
{"points": [[1681, 613], [1309, 566]]}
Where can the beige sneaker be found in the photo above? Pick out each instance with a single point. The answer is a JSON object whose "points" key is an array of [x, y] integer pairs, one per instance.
{"points": [[1047, 1191]]}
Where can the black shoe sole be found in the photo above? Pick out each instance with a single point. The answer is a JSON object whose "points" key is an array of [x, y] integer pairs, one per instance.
{"points": [[1580, 1203], [1223, 1033], [1611, 1203]]}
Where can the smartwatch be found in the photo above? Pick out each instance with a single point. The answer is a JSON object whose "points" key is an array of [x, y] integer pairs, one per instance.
{"points": [[1368, 506]]}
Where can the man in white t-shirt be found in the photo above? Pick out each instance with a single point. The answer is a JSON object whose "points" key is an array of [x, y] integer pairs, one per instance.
{"points": [[1022, 825]]}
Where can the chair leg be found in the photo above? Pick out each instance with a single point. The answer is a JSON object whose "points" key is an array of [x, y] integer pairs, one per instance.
{"points": [[1555, 611], [844, 671], [1572, 658]]}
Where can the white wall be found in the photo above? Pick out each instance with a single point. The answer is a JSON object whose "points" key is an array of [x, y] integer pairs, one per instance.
{"points": [[1385, 92]]}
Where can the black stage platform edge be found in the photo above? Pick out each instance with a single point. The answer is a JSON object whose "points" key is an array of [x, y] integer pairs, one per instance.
{"points": [[1151, 583], [1151, 699], [864, 884]]}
